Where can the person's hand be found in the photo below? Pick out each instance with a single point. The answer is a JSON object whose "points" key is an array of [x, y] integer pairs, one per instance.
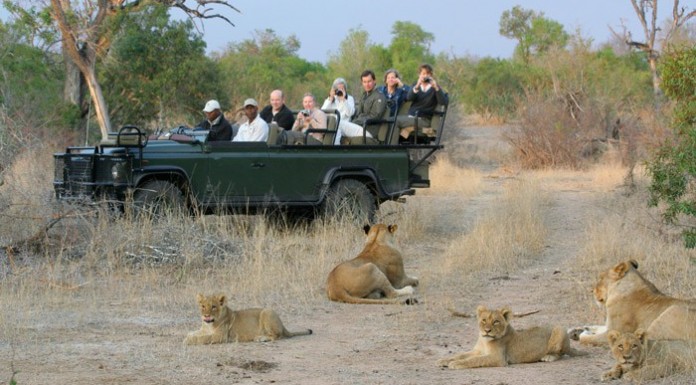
{"points": [[332, 94]]}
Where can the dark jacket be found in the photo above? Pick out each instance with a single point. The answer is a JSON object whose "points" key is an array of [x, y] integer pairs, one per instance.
{"points": [[370, 106], [398, 97], [284, 117], [219, 131], [423, 103]]}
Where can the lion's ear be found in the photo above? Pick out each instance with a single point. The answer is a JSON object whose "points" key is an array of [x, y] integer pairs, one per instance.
{"points": [[392, 228], [506, 312], [200, 297], [640, 333], [480, 309], [612, 336], [367, 229], [222, 299]]}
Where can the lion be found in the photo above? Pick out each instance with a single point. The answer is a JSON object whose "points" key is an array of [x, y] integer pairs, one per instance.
{"points": [[641, 359], [632, 302], [377, 272], [499, 344], [221, 324]]}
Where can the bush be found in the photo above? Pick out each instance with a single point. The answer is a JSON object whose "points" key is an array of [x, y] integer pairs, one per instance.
{"points": [[673, 168]]}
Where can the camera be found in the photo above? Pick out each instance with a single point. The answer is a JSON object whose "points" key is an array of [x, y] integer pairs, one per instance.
{"points": [[306, 112], [339, 93], [427, 79]]}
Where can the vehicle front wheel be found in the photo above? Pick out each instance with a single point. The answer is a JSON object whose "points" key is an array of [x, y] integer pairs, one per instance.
{"points": [[157, 198], [350, 198]]}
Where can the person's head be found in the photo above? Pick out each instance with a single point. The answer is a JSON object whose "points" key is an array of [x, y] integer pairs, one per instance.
{"points": [[277, 100], [251, 108], [391, 77], [340, 84], [424, 71], [308, 101], [368, 80], [212, 110]]}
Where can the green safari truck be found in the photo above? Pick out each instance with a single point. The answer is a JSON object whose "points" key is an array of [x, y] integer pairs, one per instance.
{"points": [[180, 170]]}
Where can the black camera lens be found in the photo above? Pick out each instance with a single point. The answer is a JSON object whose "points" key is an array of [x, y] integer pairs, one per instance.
{"points": [[427, 79], [339, 93]]}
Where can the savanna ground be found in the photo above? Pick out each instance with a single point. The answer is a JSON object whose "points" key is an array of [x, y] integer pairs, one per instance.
{"points": [[110, 302]]}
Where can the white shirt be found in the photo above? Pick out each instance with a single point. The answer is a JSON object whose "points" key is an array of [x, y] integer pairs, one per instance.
{"points": [[345, 107], [255, 131]]}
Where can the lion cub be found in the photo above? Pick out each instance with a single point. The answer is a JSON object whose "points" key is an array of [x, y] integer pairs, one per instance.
{"points": [[221, 324], [377, 272], [641, 359], [499, 344]]}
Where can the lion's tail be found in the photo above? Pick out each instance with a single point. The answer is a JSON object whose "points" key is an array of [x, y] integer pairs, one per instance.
{"points": [[299, 333], [344, 296]]}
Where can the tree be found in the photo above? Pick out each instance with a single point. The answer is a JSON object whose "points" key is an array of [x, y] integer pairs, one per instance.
{"points": [[269, 62], [646, 10], [356, 53], [673, 169], [157, 71], [534, 33], [410, 47], [87, 28]]}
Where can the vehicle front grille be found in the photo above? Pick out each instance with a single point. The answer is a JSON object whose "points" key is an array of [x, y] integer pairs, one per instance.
{"points": [[59, 170], [79, 175]]}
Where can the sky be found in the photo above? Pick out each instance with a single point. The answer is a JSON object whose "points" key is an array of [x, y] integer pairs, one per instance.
{"points": [[460, 27]]}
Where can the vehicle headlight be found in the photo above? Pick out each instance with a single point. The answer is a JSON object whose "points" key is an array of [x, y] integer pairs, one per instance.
{"points": [[118, 172]]}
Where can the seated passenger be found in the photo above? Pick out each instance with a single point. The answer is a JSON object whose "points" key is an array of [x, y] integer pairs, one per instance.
{"points": [[219, 128], [371, 105], [340, 100], [309, 117], [424, 96], [254, 129], [394, 89], [277, 111]]}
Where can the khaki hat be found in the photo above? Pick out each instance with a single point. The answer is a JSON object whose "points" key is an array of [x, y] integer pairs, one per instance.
{"points": [[251, 102], [212, 105]]}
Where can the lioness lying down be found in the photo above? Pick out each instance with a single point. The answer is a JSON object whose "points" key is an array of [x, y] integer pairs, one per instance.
{"points": [[633, 302], [377, 272], [221, 324], [499, 344], [641, 359]]}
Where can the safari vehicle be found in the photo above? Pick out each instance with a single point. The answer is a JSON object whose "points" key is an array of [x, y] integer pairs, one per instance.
{"points": [[181, 170]]}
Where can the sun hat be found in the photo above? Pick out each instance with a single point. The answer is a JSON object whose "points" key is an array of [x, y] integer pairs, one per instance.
{"points": [[251, 102], [212, 105]]}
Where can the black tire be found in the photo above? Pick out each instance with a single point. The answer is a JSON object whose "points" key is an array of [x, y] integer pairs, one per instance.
{"points": [[157, 198], [350, 198]]}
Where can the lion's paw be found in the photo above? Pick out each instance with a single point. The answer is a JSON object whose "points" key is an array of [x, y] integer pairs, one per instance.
{"points": [[406, 290]]}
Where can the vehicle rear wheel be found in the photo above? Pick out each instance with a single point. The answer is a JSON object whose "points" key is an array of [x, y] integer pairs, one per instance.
{"points": [[350, 198], [157, 198]]}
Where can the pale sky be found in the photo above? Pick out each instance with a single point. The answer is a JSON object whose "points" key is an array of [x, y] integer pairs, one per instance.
{"points": [[460, 27]]}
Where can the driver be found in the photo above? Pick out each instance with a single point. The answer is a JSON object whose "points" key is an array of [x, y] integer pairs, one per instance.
{"points": [[219, 128]]}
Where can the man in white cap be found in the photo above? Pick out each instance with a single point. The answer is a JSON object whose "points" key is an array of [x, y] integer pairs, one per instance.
{"points": [[219, 128], [255, 129]]}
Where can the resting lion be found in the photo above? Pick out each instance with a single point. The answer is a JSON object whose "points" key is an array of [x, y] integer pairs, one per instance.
{"points": [[642, 359], [499, 344], [633, 302], [377, 272], [221, 324]]}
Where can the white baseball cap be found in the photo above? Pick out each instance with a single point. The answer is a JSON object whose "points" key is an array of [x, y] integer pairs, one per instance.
{"points": [[251, 102], [212, 105]]}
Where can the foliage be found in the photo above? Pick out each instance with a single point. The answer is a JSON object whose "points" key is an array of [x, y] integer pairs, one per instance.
{"points": [[157, 73], [494, 88], [673, 169], [534, 33], [255, 67], [357, 53], [409, 48]]}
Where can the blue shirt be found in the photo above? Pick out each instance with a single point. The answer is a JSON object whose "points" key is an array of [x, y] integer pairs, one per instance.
{"points": [[397, 98]]}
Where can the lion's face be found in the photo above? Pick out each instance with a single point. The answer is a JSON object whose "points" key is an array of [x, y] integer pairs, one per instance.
{"points": [[626, 348], [493, 324], [210, 307]]}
